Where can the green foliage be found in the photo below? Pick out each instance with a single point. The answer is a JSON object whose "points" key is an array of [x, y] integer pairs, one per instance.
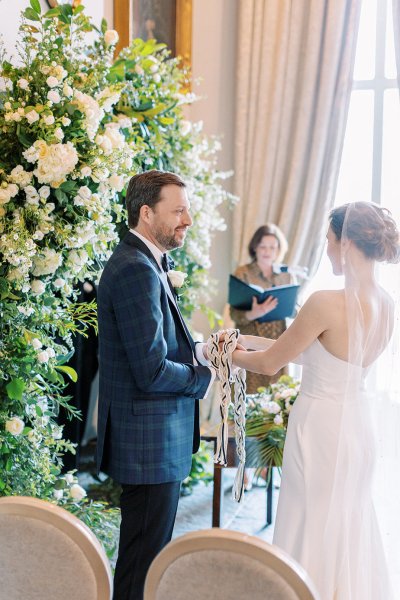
{"points": [[266, 420]]}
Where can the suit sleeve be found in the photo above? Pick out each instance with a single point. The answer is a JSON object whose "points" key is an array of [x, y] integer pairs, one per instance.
{"points": [[139, 318]]}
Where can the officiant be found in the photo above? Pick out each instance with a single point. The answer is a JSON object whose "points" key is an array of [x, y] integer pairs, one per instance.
{"points": [[267, 249]]}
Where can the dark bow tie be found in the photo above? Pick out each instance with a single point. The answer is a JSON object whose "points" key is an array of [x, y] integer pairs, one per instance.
{"points": [[167, 263]]}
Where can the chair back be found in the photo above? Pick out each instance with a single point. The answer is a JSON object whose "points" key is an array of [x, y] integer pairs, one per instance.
{"points": [[47, 553], [217, 563]]}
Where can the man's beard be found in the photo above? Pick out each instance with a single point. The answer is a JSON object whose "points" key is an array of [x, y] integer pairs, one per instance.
{"points": [[169, 242]]}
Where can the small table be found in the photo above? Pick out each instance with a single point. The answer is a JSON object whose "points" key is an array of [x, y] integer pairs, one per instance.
{"points": [[232, 461]]}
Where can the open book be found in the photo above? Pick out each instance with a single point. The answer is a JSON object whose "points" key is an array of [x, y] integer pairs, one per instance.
{"points": [[241, 297]]}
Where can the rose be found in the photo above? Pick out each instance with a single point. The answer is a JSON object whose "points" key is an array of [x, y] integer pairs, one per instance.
{"points": [[43, 356], [38, 287], [58, 494], [272, 407], [278, 419], [36, 343], [52, 81], [54, 96], [15, 426], [32, 116], [23, 83], [111, 37], [177, 278], [77, 492]]}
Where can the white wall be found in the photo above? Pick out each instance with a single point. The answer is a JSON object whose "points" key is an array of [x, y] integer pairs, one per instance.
{"points": [[213, 60], [10, 11]]}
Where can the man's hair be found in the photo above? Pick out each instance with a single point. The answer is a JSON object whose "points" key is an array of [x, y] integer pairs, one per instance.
{"points": [[145, 188]]}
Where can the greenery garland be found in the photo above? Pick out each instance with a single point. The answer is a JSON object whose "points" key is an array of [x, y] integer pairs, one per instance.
{"points": [[74, 128]]}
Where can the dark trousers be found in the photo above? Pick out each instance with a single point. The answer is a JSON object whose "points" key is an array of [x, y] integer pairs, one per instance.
{"points": [[148, 515]]}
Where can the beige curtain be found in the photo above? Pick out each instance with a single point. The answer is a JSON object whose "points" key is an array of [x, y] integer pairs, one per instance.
{"points": [[294, 76], [396, 26]]}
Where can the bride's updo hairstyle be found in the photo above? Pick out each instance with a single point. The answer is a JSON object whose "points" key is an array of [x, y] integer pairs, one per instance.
{"points": [[370, 227]]}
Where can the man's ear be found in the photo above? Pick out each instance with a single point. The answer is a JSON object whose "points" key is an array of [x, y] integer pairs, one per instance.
{"points": [[145, 213]]}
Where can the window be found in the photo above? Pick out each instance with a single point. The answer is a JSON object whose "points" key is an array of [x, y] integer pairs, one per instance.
{"points": [[369, 167]]}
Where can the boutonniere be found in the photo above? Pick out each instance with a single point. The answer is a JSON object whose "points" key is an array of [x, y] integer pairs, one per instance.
{"points": [[177, 278]]}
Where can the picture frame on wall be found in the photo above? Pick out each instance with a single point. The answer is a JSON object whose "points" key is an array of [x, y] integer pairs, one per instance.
{"points": [[168, 21]]}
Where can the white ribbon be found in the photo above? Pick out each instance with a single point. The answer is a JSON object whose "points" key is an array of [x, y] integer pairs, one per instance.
{"points": [[221, 359]]}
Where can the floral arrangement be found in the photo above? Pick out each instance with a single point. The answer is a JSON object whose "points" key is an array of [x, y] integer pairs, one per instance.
{"points": [[74, 128], [151, 108], [266, 420]]}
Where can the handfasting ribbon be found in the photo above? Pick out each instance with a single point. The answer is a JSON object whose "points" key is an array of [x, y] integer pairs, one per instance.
{"points": [[221, 359]]}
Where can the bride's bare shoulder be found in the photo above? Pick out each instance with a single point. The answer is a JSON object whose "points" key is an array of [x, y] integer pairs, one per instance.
{"points": [[326, 298]]}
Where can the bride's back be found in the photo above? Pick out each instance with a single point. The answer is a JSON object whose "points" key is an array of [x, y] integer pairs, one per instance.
{"points": [[360, 324]]}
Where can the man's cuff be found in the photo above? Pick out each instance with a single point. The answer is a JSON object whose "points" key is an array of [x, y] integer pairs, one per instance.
{"points": [[198, 351], [213, 376]]}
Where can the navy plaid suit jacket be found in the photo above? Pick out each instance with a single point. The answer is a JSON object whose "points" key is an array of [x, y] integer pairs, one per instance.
{"points": [[148, 383]]}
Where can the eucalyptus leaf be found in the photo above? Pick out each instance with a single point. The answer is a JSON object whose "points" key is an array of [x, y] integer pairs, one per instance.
{"points": [[72, 374]]}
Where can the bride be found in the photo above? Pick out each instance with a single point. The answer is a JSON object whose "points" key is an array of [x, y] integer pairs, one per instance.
{"points": [[327, 516]]}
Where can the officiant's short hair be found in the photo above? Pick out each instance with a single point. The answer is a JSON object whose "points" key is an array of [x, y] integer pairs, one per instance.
{"points": [[145, 188]]}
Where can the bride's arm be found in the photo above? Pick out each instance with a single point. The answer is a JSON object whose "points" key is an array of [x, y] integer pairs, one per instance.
{"points": [[272, 355], [254, 342]]}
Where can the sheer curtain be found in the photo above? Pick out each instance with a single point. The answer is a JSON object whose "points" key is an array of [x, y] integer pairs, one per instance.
{"points": [[294, 77], [396, 24]]}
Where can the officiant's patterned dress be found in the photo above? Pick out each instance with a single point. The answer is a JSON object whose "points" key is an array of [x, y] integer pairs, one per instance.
{"points": [[252, 274]]}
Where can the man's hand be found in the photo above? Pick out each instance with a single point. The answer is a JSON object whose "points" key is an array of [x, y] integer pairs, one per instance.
{"points": [[259, 310]]}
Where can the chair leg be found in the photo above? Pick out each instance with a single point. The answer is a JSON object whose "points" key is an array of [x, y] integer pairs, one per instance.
{"points": [[269, 496]]}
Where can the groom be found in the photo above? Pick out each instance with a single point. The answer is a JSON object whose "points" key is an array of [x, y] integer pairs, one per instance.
{"points": [[150, 376]]}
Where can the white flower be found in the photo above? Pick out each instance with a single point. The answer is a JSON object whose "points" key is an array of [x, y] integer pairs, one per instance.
{"points": [[23, 83], [288, 393], [111, 37], [157, 78], [51, 352], [26, 310], [31, 154], [116, 182], [5, 196], [58, 494], [177, 278], [185, 127], [55, 161], [58, 133], [86, 171], [54, 96], [139, 70], [69, 478], [272, 407], [47, 262], [67, 90], [36, 343], [44, 191], [43, 356], [65, 121], [19, 176], [38, 287], [278, 420], [77, 492], [32, 116], [15, 426], [59, 283], [5, 84], [52, 82]]}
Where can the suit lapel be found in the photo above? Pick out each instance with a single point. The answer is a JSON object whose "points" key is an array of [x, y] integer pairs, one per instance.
{"points": [[135, 242]]}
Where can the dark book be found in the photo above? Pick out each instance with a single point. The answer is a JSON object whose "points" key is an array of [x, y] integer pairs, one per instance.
{"points": [[241, 297]]}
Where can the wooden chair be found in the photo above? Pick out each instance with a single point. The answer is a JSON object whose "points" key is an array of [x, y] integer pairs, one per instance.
{"points": [[223, 564], [47, 553]]}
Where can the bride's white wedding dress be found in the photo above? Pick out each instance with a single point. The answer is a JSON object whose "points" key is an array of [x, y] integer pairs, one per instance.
{"points": [[326, 518]]}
